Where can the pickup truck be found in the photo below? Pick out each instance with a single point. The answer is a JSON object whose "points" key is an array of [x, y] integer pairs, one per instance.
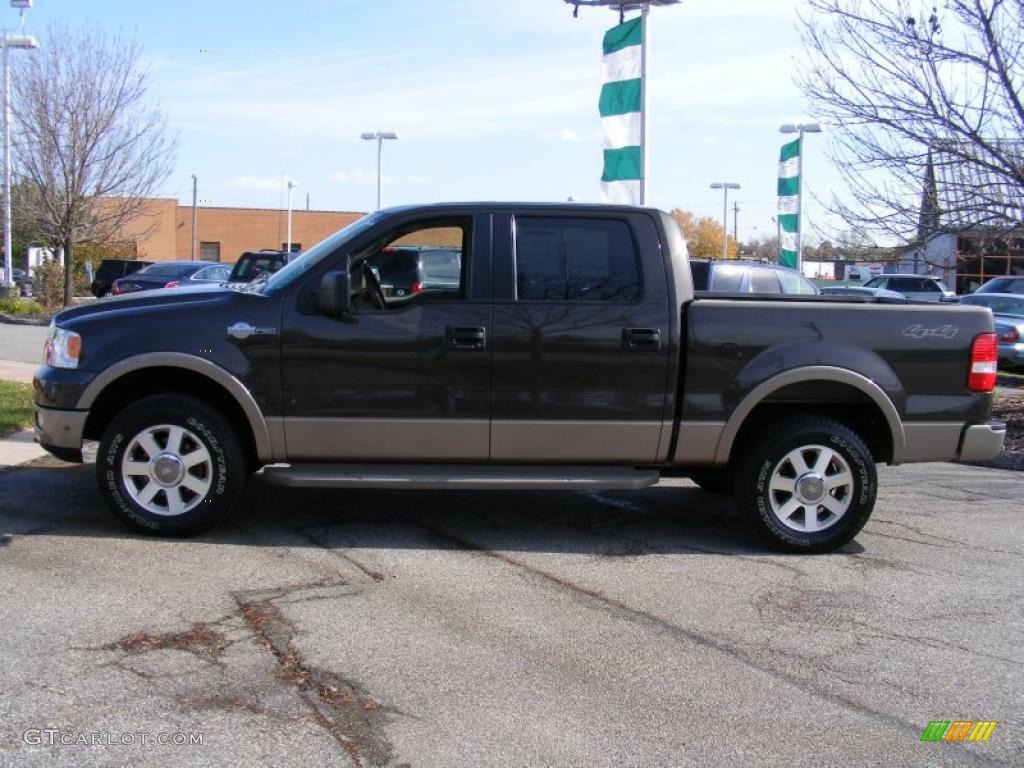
{"points": [[571, 354]]}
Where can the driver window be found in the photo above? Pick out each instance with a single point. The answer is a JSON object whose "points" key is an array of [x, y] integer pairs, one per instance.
{"points": [[423, 263]]}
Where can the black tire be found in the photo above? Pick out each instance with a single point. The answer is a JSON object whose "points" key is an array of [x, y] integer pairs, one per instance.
{"points": [[765, 508], [219, 474], [718, 480]]}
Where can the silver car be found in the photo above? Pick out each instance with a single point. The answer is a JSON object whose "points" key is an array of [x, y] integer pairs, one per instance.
{"points": [[1008, 313], [919, 287]]}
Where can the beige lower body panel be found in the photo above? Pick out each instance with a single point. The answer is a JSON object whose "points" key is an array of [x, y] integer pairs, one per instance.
{"points": [[630, 442], [930, 441], [698, 442], [391, 439]]}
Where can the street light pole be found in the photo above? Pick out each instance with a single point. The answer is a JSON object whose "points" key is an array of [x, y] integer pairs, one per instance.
{"points": [[288, 245], [195, 189], [800, 129], [725, 186], [380, 137], [8, 42]]}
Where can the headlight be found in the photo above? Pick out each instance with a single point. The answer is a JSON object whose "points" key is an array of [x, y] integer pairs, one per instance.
{"points": [[62, 348]]}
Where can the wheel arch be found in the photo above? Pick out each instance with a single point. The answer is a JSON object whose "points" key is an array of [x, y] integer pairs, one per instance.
{"points": [[178, 373], [848, 390]]}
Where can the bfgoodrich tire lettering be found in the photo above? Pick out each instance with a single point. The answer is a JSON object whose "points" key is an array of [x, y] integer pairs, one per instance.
{"points": [[807, 485], [168, 464]]}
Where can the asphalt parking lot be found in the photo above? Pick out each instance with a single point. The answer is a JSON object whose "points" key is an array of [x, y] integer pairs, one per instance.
{"points": [[529, 629]]}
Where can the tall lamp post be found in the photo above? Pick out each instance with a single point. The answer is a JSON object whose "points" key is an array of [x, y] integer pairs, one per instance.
{"points": [[291, 183], [195, 190], [800, 129], [725, 186], [10, 41], [380, 137]]}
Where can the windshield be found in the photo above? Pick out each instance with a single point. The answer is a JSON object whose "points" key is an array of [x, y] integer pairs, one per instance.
{"points": [[271, 285]]}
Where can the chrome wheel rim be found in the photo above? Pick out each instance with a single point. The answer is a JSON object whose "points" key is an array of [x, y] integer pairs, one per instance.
{"points": [[167, 470], [811, 488]]}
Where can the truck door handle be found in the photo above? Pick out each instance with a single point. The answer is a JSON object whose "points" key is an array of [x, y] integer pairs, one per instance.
{"points": [[466, 337], [648, 338]]}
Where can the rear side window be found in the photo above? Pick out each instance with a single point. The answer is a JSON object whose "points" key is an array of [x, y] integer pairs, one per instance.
{"points": [[795, 283], [699, 270], [764, 281], [876, 282], [727, 278], [912, 284], [575, 260]]}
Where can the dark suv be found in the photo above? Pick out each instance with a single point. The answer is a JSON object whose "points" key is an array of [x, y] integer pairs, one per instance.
{"points": [[111, 270], [748, 277], [252, 264], [405, 271]]}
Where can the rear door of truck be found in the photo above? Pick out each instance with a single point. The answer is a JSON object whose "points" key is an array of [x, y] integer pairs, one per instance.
{"points": [[581, 330]]}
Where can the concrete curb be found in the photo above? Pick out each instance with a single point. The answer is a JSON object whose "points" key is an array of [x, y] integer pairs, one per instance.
{"points": [[19, 448], [14, 370], [26, 320]]}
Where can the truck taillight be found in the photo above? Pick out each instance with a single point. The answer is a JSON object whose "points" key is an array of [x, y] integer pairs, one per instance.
{"points": [[416, 288], [981, 377]]}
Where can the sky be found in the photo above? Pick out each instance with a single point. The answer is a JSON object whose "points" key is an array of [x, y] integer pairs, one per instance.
{"points": [[492, 99]]}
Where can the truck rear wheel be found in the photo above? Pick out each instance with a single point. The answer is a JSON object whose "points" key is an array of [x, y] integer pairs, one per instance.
{"points": [[170, 465], [807, 485]]}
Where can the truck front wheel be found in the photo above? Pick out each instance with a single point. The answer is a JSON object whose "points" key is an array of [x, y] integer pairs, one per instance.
{"points": [[169, 464], [807, 485]]}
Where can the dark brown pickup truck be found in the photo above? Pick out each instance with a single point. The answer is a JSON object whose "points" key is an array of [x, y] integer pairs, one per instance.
{"points": [[571, 353]]}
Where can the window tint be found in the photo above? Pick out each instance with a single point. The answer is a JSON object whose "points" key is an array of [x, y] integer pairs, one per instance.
{"points": [[727, 279], [575, 260], [173, 269], [877, 282], [764, 281], [700, 270]]}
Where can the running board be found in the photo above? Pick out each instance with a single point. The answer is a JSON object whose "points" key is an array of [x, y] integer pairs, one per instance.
{"points": [[459, 477]]}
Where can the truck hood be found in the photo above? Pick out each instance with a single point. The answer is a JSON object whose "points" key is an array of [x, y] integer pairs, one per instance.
{"points": [[161, 300]]}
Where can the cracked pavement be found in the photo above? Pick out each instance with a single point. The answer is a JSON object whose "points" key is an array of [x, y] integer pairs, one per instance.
{"points": [[648, 628]]}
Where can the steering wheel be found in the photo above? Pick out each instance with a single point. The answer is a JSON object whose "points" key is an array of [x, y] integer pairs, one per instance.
{"points": [[373, 287]]}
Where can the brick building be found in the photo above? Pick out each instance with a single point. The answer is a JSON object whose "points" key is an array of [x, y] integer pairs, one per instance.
{"points": [[164, 231]]}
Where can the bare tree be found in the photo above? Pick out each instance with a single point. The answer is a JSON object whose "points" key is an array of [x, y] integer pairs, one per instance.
{"points": [[89, 147], [927, 105]]}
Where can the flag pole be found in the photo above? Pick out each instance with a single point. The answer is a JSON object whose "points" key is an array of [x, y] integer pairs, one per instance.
{"points": [[643, 103]]}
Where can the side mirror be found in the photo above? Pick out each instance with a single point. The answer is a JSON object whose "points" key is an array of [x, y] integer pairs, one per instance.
{"points": [[335, 294]]}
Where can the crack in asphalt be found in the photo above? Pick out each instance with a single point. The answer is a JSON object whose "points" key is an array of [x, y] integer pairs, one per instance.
{"points": [[618, 608], [341, 707]]}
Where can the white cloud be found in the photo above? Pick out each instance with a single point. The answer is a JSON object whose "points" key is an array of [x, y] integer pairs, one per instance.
{"points": [[253, 182], [356, 177], [568, 134]]}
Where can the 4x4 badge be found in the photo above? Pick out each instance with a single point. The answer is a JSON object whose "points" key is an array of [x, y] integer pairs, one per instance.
{"points": [[244, 331]]}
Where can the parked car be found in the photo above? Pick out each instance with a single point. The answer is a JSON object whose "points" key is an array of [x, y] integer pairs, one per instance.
{"points": [[252, 264], [1002, 285], [404, 271], [919, 287], [748, 277], [860, 290], [21, 280], [173, 274], [110, 270], [576, 357], [1008, 312]]}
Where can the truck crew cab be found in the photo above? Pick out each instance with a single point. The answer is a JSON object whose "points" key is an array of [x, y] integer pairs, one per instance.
{"points": [[571, 353]]}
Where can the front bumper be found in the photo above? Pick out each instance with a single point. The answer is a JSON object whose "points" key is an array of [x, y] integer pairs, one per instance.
{"points": [[60, 432], [982, 441]]}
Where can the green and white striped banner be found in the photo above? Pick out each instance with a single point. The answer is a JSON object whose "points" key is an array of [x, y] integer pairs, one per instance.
{"points": [[620, 106], [789, 202]]}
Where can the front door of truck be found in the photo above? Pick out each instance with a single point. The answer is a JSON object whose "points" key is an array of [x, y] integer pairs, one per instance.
{"points": [[399, 378], [581, 339]]}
